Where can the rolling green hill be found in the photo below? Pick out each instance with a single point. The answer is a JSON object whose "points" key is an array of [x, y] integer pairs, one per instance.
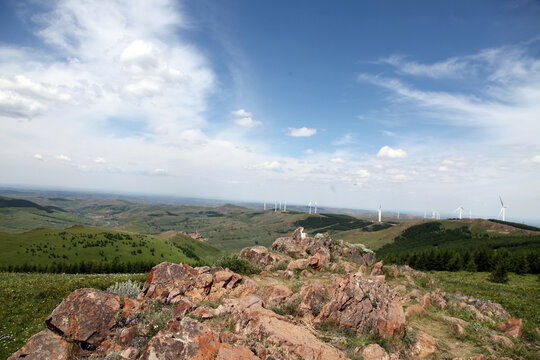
{"points": [[51, 248]]}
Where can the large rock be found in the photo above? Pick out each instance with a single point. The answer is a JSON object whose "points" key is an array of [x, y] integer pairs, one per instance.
{"points": [[364, 305], [260, 256], [279, 334], [86, 315], [189, 339], [424, 346], [275, 294], [512, 327], [377, 269], [170, 283], [44, 345], [374, 352]]}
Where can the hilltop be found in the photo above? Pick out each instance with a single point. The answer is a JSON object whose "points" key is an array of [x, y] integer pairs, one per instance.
{"points": [[305, 298], [92, 249]]}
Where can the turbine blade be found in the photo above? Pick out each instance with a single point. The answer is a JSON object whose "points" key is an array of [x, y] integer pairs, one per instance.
{"points": [[500, 212], [502, 204]]}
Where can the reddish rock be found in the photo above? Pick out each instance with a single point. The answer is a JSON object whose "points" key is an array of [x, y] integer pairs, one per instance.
{"points": [[313, 297], [364, 305], [203, 313], [434, 298], [127, 335], [254, 254], [511, 327], [297, 264], [130, 353], [374, 352], [458, 329], [228, 352], [377, 269], [44, 345], [502, 340], [278, 333], [415, 309], [130, 307], [424, 345], [182, 307], [275, 294], [165, 278], [188, 339], [86, 315]]}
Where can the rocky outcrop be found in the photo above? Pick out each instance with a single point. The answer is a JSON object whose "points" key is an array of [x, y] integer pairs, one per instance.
{"points": [[169, 283], [374, 352], [424, 346], [365, 306], [189, 339], [44, 345], [279, 336], [261, 256], [86, 315]]}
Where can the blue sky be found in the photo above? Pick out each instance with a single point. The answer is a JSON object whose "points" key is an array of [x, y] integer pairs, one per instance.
{"points": [[416, 106]]}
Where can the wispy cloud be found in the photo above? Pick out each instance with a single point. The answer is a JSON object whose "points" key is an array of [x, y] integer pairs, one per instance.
{"points": [[346, 139], [63, 157], [302, 132], [242, 113], [247, 122]]}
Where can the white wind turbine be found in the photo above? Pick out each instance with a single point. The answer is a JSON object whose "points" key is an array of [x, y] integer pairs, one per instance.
{"points": [[503, 210], [285, 207], [460, 209], [380, 213], [265, 206], [315, 207], [309, 206]]}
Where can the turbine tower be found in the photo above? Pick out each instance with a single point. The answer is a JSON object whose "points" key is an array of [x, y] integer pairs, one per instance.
{"points": [[315, 207], [285, 207], [470, 214], [503, 210], [265, 206], [460, 209], [275, 206], [309, 206], [398, 214], [380, 213]]}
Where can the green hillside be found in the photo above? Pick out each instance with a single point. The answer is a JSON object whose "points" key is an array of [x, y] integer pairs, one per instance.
{"points": [[77, 244], [332, 223]]}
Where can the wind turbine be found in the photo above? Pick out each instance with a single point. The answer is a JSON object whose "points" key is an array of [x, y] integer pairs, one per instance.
{"points": [[265, 206], [275, 206], [398, 214], [285, 207], [315, 207], [470, 214], [380, 213], [309, 206], [503, 210], [460, 209]]}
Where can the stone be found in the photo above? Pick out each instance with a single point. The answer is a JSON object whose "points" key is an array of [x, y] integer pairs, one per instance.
{"points": [[502, 340], [183, 307], [130, 307], [276, 332], [364, 305], [313, 299], [130, 353], [458, 329], [424, 345], [227, 352], [377, 269], [413, 310], [297, 264], [275, 294], [511, 327], [86, 315], [189, 339], [44, 345], [455, 320], [374, 352]]}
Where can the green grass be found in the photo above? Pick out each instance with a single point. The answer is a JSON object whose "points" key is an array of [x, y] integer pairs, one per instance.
{"points": [[520, 297], [376, 239], [27, 299], [45, 246]]}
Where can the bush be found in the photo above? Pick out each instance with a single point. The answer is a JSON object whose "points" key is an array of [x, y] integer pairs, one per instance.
{"points": [[237, 264], [128, 288]]}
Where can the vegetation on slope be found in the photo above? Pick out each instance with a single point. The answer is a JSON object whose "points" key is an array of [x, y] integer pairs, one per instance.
{"points": [[83, 249], [331, 223]]}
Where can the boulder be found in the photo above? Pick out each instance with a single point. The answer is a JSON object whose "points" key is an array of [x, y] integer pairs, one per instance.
{"points": [[374, 352], [297, 264], [279, 334], [511, 327], [502, 340], [424, 345], [313, 297], [86, 315], [365, 306], [415, 309], [458, 329], [254, 254], [377, 269], [320, 260], [44, 345], [275, 294]]}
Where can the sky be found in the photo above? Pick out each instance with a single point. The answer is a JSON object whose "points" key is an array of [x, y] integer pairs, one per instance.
{"points": [[413, 106]]}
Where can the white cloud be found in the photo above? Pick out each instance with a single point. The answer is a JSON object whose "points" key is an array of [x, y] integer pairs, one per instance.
{"points": [[536, 159], [448, 68], [302, 132], [38, 156], [308, 151], [247, 122], [337, 160], [63, 157], [443, 168], [242, 113], [388, 152], [363, 173], [100, 160]]}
